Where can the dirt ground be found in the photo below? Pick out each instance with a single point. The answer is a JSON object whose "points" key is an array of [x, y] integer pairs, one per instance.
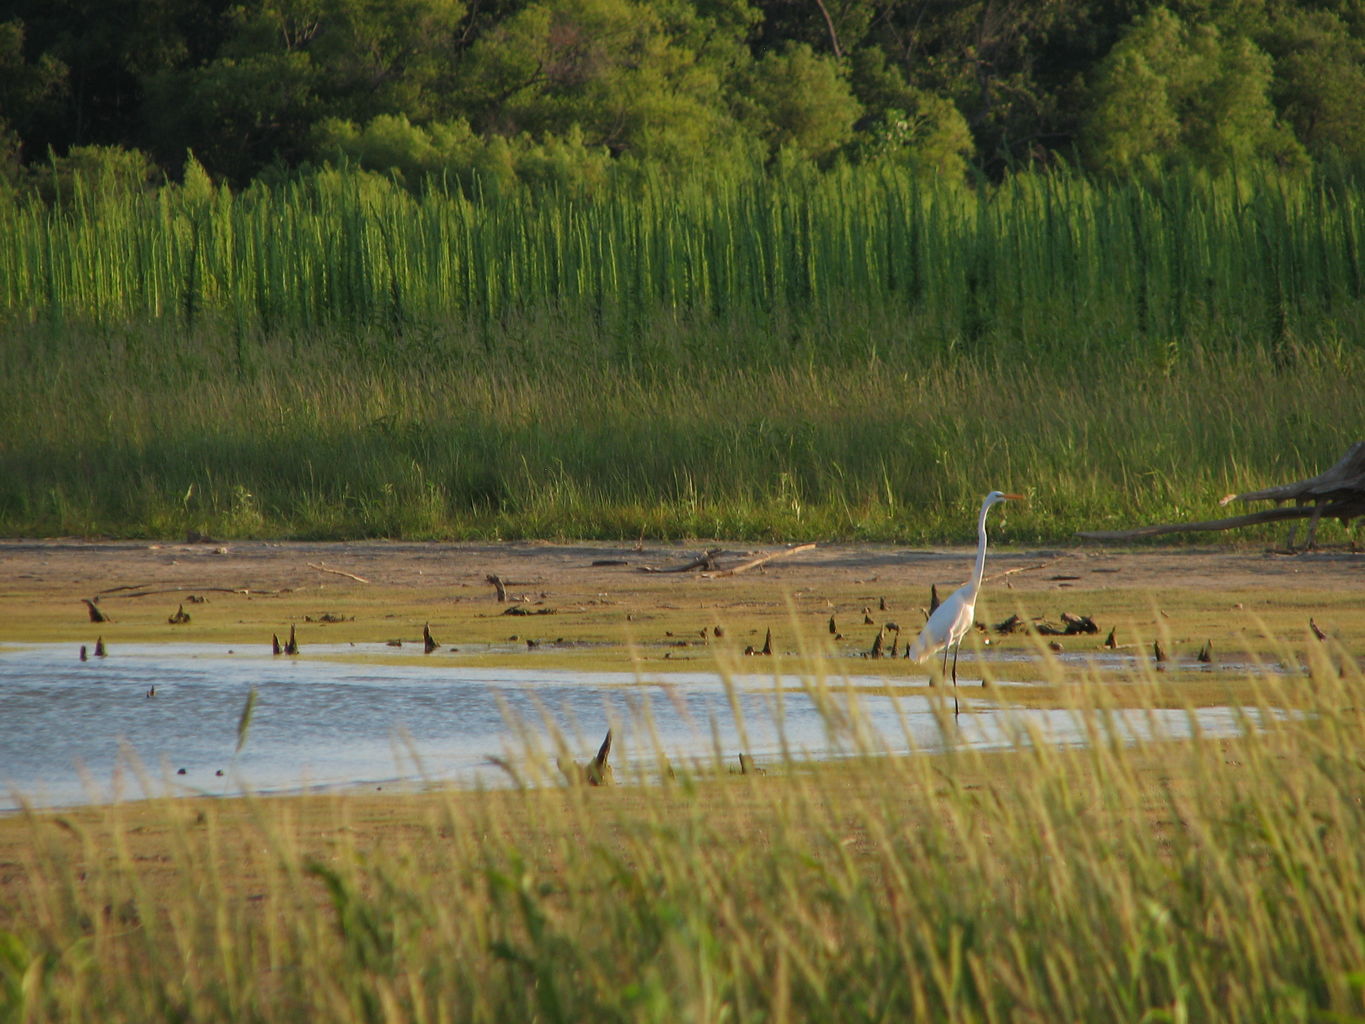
{"points": [[48, 568], [375, 589]]}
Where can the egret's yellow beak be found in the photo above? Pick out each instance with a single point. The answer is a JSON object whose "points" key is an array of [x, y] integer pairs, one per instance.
{"points": [[1016, 497]]}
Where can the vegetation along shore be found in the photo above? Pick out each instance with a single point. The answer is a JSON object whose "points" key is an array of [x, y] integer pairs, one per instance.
{"points": [[681, 340]]}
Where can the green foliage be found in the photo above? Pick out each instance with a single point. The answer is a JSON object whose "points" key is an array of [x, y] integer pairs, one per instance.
{"points": [[800, 101], [287, 64], [683, 88], [238, 113], [107, 173], [29, 90], [1172, 93], [932, 139], [1319, 79], [353, 250], [449, 153], [619, 72]]}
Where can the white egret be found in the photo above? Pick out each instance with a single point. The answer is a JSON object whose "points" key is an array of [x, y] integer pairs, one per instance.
{"points": [[950, 620]]}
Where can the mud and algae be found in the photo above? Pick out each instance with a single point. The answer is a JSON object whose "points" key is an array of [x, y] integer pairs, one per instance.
{"points": [[590, 607]]}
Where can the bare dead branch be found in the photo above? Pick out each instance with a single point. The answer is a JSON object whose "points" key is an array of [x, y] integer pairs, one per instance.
{"points": [[111, 593], [702, 561], [349, 575], [1011, 572], [1269, 515], [755, 563]]}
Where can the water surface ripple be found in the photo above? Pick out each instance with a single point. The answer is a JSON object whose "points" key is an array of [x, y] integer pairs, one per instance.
{"points": [[74, 732]]}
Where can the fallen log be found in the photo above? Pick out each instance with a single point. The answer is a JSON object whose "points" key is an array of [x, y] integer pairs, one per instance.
{"points": [[113, 592], [755, 563], [706, 560], [1343, 510], [1345, 479], [1337, 493]]}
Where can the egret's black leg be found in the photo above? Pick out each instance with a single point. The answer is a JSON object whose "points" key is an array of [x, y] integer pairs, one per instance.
{"points": [[956, 647]]}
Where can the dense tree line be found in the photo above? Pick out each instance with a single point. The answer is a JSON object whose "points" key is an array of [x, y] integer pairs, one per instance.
{"points": [[496, 92]]}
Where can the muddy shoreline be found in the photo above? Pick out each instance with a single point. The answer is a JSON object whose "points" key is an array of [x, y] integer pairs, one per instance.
{"points": [[46, 567]]}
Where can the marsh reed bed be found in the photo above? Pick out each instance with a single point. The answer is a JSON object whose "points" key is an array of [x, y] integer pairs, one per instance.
{"points": [[1210, 880], [805, 356], [1045, 259]]}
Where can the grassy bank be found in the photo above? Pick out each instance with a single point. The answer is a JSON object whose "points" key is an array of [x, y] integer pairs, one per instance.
{"points": [[1203, 881], [144, 434]]}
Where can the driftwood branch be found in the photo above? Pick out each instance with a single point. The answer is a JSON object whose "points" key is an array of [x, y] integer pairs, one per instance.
{"points": [[1011, 572], [1338, 493], [349, 575], [1346, 479], [498, 585], [133, 592], [1269, 515], [755, 563], [705, 560]]}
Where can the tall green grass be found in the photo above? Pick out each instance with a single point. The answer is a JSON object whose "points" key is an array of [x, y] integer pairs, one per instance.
{"points": [[1158, 882], [1061, 266], [853, 355]]}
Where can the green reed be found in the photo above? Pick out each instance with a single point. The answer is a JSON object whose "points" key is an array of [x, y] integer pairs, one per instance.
{"points": [[1051, 262]]}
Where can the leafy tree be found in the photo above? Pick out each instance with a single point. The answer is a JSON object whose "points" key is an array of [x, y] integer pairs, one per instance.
{"points": [[237, 113], [1171, 92], [905, 124], [618, 71], [834, 27], [101, 51], [800, 101], [1007, 65], [31, 92], [931, 137], [1133, 125], [561, 90], [1320, 78], [285, 64]]}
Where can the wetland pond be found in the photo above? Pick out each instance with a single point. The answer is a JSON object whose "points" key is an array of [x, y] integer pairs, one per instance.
{"points": [[79, 732]]}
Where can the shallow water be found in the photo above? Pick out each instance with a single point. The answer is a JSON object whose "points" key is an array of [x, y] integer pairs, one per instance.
{"points": [[75, 732]]}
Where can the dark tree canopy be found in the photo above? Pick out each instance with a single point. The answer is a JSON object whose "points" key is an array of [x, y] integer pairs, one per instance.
{"points": [[560, 90]]}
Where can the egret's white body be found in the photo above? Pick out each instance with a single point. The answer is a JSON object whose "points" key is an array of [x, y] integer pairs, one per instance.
{"points": [[951, 619]]}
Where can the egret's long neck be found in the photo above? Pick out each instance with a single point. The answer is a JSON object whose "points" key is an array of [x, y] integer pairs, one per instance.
{"points": [[980, 549]]}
